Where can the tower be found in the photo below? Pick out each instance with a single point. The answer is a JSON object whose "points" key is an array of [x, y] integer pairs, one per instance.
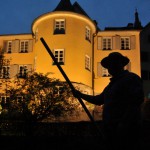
{"points": [[137, 22]]}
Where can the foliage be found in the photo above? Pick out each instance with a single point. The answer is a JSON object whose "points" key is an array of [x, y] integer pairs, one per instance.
{"points": [[1, 58], [37, 96]]}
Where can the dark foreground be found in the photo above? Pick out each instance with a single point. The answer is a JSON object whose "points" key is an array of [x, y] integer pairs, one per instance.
{"points": [[57, 136]]}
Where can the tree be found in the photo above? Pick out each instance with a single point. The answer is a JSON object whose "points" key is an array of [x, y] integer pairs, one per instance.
{"points": [[1, 60], [37, 97]]}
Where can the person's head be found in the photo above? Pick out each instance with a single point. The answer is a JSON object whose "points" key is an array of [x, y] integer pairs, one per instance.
{"points": [[114, 62]]}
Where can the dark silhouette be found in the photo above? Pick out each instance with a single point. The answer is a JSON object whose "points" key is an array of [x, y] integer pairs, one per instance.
{"points": [[122, 99]]}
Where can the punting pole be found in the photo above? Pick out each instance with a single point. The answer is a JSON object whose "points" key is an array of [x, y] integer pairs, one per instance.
{"points": [[66, 78]]}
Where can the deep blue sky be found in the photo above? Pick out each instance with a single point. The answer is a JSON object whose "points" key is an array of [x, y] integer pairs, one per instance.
{"points": [[17, 15]]}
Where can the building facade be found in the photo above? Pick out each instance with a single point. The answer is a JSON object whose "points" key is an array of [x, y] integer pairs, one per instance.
{"points": [[76, 42], [145, 58]]}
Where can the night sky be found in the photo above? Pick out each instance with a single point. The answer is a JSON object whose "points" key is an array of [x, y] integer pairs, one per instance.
{"points": [[17, 15]]}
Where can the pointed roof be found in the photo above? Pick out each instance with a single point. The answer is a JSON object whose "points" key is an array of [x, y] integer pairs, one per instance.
{"points": [[79, 9], [137, 23], [64, 5]]}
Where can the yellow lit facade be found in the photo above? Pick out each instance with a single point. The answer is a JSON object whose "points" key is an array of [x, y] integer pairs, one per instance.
{"points": [[125, 42], [78, 46]]}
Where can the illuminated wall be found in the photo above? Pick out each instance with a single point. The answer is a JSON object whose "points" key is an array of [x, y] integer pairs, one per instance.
{"points": [[125, 42], [72, 34], [72, 40]]}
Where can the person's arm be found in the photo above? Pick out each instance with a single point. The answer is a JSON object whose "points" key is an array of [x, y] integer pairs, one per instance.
{"points": [[97, 99]]}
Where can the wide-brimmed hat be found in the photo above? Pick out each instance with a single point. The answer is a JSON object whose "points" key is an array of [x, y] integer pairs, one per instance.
{"points": [[114, 59]]}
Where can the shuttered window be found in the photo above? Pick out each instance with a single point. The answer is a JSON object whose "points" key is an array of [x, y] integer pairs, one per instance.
{"points": [[16, 46], [20, 71], [101, 71]]}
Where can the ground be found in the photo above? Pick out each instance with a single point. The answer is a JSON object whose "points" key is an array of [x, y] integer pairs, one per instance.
{"points": [[56, 136]]}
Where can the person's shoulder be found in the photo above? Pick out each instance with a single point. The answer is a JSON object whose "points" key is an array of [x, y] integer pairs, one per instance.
{"points": [[133, 75]]}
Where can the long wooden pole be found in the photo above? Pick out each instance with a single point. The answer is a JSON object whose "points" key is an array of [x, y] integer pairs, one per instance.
{"points": [[67, 79]]}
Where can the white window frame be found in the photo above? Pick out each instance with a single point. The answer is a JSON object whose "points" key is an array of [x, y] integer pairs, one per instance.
{"points": [[5, 98], [9, 46], [87, 33], [125, 43], [105, 72], [87, 62], [19, 99], [60, 24], [101, 71], [107, 43], [24, 46], [58, 90], [128, 66], [59, 55], [19, 71], [7, 75]]}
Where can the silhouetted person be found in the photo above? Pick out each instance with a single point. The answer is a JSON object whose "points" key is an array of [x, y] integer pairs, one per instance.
{"points": [[122, 99]]}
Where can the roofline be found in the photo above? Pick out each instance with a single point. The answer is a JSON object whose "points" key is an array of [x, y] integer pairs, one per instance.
{"points": [[58, 13], [16, 34]]}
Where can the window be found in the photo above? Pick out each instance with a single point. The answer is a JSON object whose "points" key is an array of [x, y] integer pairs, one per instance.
{"points": [[107, 43], [128, 66], [5, 72], [22, 71], [101, 71], [125, 43], [5, 101], [105, 72], [19, 99], [24, 46], [9, 46], [87, 33], [58, 90], [59, 27], [59, 55], [87, 62]]}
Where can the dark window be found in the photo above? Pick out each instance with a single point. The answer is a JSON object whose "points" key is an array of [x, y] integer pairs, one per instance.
{"points": [[59, 31], [125, 43], [59, 55], [5, 72], [59, 27], [22, 72]]}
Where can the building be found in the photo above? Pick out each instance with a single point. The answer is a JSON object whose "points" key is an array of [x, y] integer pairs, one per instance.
{"points": [[145, 58], [77, 43]]}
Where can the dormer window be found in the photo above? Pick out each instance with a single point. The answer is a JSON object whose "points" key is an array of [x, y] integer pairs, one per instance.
{"points": [[59, 27]]}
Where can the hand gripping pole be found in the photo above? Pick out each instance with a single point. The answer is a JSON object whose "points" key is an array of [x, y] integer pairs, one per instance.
{"points": [[66, 78]]}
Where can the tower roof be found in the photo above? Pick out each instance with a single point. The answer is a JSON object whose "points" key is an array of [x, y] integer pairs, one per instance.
{"points": [[65, 5], [137, 22]]}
